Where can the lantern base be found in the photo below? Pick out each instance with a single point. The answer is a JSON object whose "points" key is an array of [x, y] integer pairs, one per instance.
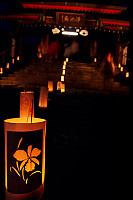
{"points": [[36, 195]]}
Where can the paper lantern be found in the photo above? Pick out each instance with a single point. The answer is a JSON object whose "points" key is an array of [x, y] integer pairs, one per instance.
{"points": [[127, 74], [119, 66], [63, 72], [27, 105], [24, 159], [62, 87], [50, 86], [95, 60], [1, 70], [66, 59], [13, 60], [64, 66], [18, 58], [43, 97], [59, 83], [65, 62], [121, 69], [62, 78], [7, 65]]}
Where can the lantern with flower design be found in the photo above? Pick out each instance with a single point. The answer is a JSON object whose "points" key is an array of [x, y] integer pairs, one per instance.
{"points": [[24, 158]]}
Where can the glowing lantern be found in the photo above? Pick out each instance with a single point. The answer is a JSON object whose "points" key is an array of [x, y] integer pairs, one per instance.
{"points": [[1, 70], [119, 66], [27, 105], [59, 83], [50, 86], [127, 74], [65, 62], [95, 60], [18, 58], [43, 97], [62, 78], [63, 87], [13, 60], [64, 66], [66, 59], [7, 65], [63, 72], [24, 158], [121, 69]]}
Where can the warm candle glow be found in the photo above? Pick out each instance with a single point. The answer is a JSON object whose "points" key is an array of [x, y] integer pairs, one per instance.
{"points": [[65, 62], [50, 86], [119, 66], [13, 60], [127, 74], [121, 69], [18, 58], [7, 65], [64, 66], [62, 87], [62, 78], [43, 97], [63, 72], [1, 70], [66, 59], [95, 60]]}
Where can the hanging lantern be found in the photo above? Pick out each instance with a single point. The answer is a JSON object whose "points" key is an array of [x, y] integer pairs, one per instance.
{"points": [[59, 83], [63, 72], [43, 97], [27, 105], [7, 66], [62, 87], [50, 86], [18, 58], [62, 78], [24, 158], [64, 66], [1, 70], [127, 74]]}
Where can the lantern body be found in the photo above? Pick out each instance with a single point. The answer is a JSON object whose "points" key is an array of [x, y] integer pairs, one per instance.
{"points": [[27, 105], [18, 58], [1, 70], [24, 158], [66, 59], [65, 62], [127, 74], [63, 72], [43, 97], [50, 86], [59, 83], [121, 69], [62, 78], [63, 87], [64, 66], [7, 65], [13, 60]]}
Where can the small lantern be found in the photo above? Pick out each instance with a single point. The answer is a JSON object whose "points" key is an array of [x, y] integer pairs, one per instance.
{"points": [[59, 83], [43, 97], [24, 158], [63, 72], [64, 66], [13, 60], [65, 62], [18, 58], [66, 59], [62, 78], [7, 65], [121, 69], [50, 86], [1, 70], [95, 60], [27, 105], [62, 87], [127, 74], [119, 66]]}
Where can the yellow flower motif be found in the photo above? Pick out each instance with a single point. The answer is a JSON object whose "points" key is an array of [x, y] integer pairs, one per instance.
{"points": [[28, 159]]}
